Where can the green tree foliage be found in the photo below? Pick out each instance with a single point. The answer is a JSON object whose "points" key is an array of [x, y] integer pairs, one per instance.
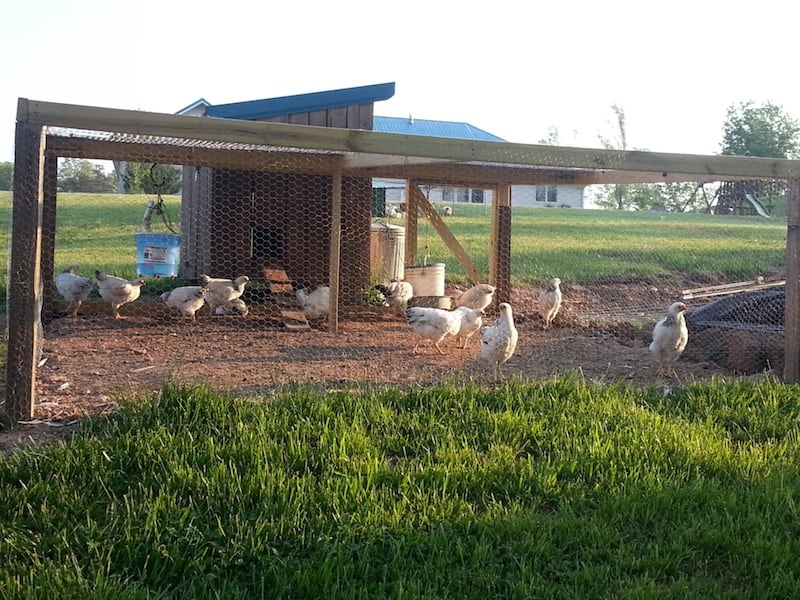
{"points": [[764, 130], [146, 178], [618, 196], [77, 175], [674, 197], [6, 175]]}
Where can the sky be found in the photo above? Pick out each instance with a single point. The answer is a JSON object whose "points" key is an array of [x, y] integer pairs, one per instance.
{"points": [[515, 69]]}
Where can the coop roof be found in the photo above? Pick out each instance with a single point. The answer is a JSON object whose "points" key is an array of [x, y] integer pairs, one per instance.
{"points": [[301, 103]]}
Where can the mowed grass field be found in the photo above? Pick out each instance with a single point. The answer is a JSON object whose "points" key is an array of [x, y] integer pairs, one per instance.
{"points": [[579, 246]]}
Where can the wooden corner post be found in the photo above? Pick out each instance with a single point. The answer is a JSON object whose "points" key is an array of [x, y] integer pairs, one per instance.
{"points": [[24, 275], [791, 320]]}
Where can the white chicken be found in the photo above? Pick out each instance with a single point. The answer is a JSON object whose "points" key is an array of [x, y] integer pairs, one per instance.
{"points": [[550, 302], [471, 322], [117, 291], [74, 288], [670, 336], [234, 307], [478, 296], [316, 304], [218, 291], [396, 294], [499, 341], [433, 324], [187, 300]]}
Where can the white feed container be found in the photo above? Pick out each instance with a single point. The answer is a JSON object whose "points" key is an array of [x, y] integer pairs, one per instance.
{"points": [[427, 280]]}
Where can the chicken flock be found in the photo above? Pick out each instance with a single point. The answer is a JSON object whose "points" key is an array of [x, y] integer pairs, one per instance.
{"points": [[432, 325]]}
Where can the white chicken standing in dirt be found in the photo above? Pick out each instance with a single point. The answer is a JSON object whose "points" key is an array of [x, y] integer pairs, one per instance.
{"points": [[670, 336], [478, 296], [433, 324], [117, 291], [219, 291], [471, 322], [499, 341], [74, 288], [236, 306], [550, 302], [396, 294], [316, 304], [187, 300]]}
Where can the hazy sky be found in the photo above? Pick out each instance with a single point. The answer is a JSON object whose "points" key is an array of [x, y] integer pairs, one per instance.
{"points": [[513, 68]]}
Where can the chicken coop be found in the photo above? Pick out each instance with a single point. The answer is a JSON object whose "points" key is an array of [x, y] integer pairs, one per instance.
{"points": [[285, 200]]}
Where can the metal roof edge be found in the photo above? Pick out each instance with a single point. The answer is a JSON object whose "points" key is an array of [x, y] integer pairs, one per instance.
{"points": [[195, 104], [301, 103]]}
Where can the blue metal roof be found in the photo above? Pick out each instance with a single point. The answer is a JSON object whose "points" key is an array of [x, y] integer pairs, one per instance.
{"points": [[448, 129], [301, 103]]}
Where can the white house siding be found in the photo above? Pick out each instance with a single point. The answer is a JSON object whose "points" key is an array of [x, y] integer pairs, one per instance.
{"points": [[571, 196]]}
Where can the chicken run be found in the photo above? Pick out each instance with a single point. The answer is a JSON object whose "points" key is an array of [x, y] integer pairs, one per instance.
{"points": [[90, 360]]}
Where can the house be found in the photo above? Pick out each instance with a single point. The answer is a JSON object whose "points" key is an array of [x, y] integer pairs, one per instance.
{"points": [[393, 191]]}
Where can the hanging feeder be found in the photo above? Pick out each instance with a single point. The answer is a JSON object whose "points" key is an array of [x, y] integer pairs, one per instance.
{"points": [[157, 254]]}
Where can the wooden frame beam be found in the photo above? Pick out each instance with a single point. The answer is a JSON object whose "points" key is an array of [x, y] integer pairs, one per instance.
{"points": [[500, 244], [427, 209], [371, 142]]}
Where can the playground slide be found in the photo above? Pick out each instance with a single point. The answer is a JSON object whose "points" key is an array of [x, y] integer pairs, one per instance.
{"points": [[757, 206]]}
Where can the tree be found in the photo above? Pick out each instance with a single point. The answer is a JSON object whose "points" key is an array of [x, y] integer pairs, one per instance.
{"points": [[146, 178], [764, 130], [616, 196], [6, 175], [76, 175]]}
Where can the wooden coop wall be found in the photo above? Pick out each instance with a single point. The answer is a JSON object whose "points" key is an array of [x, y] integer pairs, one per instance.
{"points": [[241, 222], [358, 116]]}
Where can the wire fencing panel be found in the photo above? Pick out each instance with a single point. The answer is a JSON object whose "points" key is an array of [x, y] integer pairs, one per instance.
{"points": [[238, 269]]}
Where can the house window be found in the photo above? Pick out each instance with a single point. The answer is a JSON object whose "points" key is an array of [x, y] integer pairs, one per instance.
{"points": [[546, 193]]}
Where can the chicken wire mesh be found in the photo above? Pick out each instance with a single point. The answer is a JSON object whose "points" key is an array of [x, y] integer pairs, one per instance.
{"points": [[260, 275]]}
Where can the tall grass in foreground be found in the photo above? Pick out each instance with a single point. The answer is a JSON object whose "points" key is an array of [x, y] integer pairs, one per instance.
{"points": [[561, 489]]}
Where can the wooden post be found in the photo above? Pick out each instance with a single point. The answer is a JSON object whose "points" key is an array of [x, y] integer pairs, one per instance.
{"points": [[500, 244], [24, 276], [411, 224], [335, 250], [791, 320], [50, 187]]}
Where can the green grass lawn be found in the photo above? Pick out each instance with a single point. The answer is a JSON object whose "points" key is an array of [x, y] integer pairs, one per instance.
{"points": [[562, 489], [579, 246], [586, 246]]}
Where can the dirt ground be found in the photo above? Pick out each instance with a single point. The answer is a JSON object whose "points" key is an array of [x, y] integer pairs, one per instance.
{"points": [[90, 361]]}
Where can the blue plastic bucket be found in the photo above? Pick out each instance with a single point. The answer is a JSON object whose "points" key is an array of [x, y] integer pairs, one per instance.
{"points": [[158, 254]]}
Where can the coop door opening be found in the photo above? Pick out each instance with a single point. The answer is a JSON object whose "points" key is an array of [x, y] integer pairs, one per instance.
{"points": [[267, 244]]}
